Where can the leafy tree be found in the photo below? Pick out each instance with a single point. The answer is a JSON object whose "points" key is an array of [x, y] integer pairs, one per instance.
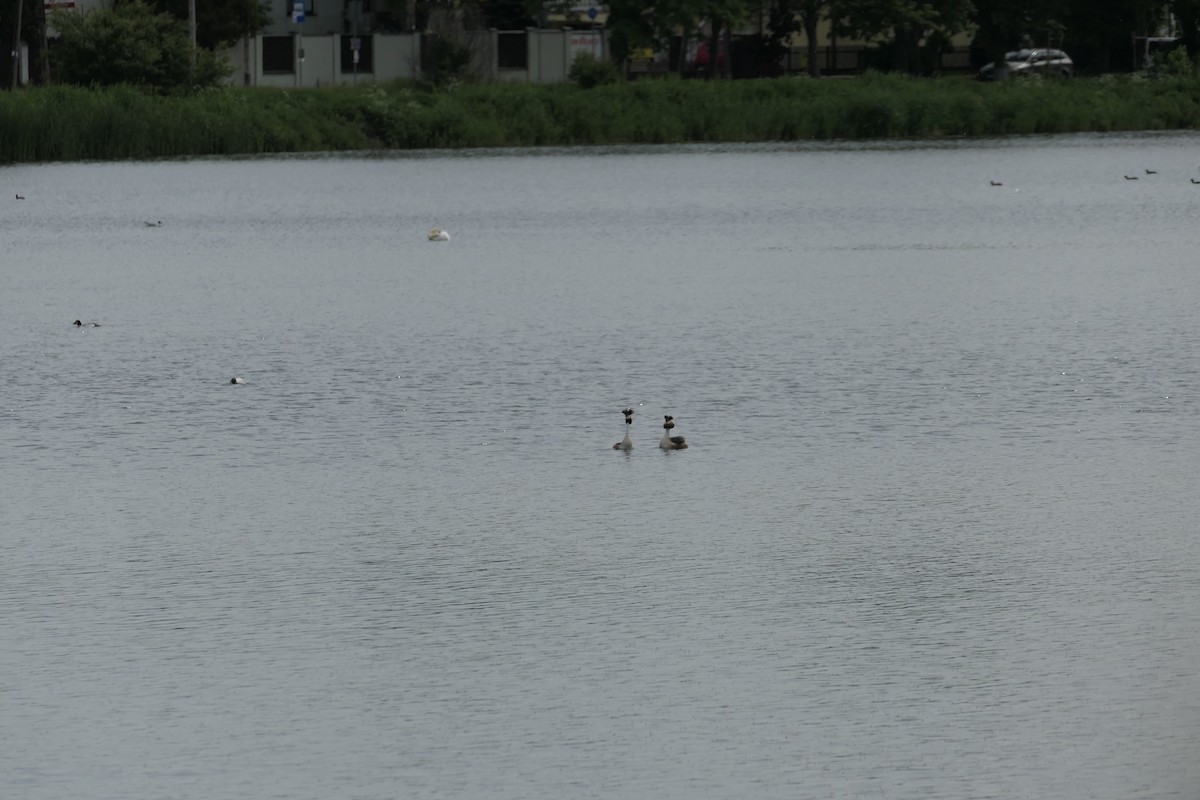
{"points": [[782, 22], [131, 44], [1187, 17], [721, 16], [1098, 31], [811, 12], [221, 23], [905, 22], [630, 28], [510, 15], [635, 23], [640, 24]]}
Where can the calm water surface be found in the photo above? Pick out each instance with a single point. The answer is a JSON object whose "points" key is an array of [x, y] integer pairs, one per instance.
{"points": [[934, 537]]}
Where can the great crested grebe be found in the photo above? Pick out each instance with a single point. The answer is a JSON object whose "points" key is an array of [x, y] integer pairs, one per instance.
{"points": [[438, 235], [81, 324], [626, 443], [238, 381], [668, 441]]}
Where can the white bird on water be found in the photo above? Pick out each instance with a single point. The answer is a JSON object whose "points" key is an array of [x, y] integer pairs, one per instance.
{"points": [[238, 380], [438, 235], [669, 442], [626, 443]]}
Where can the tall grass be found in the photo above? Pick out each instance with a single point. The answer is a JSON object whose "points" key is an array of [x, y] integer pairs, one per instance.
{"points": [[62, 123]]}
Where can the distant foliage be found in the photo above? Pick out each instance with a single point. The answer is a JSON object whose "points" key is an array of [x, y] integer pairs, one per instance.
{"points": [[1174, 64], [221, 23], [588, 72], [446, 62], [134, 45], [67, 123]]}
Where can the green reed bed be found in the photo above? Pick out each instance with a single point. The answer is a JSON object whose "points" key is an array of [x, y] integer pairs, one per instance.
{"points": [[62, 123]]}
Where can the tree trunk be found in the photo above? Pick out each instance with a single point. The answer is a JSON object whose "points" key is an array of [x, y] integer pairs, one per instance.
{"points": [[811, 19], [726, 64], [907, 51], [16, 50], [714, 50]]}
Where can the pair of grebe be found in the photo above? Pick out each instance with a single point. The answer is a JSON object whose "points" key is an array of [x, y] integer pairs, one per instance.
{"points": [[668, 442]]}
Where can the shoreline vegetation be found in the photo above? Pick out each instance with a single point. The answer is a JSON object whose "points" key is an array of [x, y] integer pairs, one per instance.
{"points": [[72, 124]]}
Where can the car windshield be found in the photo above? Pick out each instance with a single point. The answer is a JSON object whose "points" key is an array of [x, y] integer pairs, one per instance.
{"points": [[1016, 55]]}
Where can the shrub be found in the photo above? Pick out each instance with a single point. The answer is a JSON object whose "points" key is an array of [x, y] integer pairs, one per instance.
{"points": [[588, 72], [446, 62], [131, 44], [1175, 64]]}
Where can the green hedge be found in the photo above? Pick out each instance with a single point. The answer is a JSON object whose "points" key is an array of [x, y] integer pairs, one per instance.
{"points": [[62, 123]]}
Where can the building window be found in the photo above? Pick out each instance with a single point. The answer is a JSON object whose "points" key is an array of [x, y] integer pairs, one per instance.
{"points": [[512, 50], [366, 61], [279, 54]]}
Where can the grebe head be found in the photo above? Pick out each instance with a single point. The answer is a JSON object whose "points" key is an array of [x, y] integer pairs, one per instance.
{"points": [[78, 323]]}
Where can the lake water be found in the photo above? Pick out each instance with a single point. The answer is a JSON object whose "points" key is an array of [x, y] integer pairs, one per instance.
{"points": [[934, 537]]}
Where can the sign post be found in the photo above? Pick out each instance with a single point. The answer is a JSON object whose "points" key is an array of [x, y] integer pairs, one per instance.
{"points": [[297, 18]]}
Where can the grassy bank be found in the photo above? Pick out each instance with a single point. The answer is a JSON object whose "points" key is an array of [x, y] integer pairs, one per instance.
{"points": [[63, 124]]}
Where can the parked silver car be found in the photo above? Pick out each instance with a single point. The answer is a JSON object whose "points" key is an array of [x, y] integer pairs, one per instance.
{"points": [[1045, 61]]}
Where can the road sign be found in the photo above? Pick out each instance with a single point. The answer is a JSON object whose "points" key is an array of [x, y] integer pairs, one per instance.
{"points": [[298, 11]]}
